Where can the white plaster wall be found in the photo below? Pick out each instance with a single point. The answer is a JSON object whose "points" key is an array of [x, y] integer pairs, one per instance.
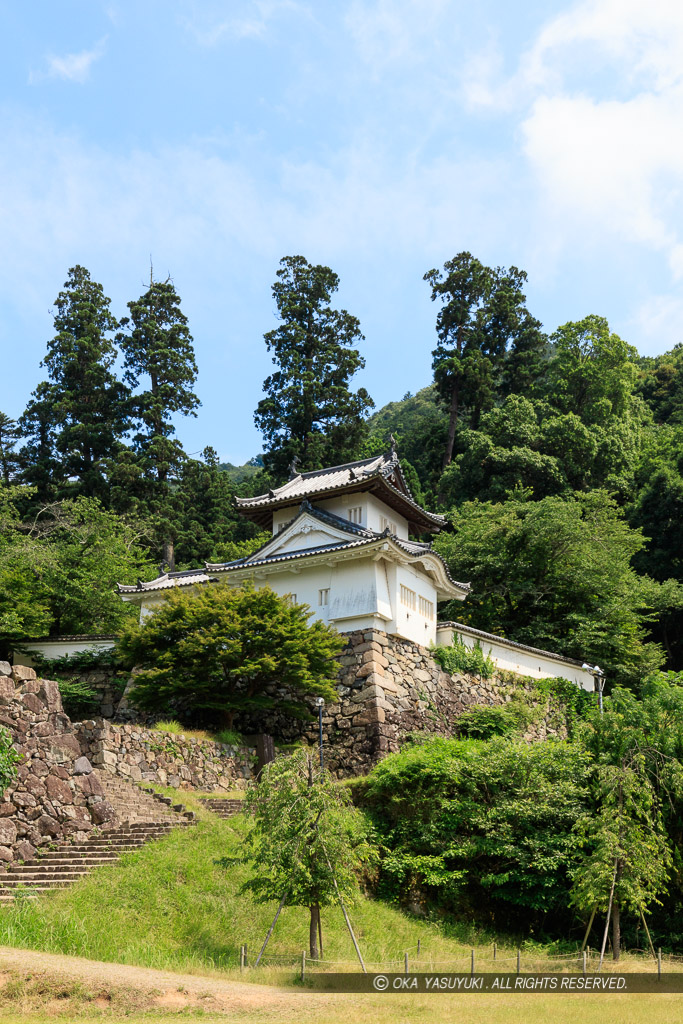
{"points": [[510, 659], [409, 623], [59, 649], [371, 516]]}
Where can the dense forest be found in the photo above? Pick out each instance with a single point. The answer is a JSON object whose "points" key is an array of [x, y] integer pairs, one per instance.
{"points": [[557, 458]]}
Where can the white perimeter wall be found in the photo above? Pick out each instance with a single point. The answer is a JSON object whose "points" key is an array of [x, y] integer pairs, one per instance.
{"points": [[59, 649], [512, 659]]}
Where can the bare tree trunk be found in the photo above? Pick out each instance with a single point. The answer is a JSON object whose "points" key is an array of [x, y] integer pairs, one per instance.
{"points": [[452, 425], [616, 932], [314, 931], [169, 555]]}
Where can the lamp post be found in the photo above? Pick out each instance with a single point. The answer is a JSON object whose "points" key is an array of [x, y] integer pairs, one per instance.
{"points": [[598, 681], [320, 702]]}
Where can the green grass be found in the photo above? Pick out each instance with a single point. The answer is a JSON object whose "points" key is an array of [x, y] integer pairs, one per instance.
{"points": [[227, 736], [170, 905]]}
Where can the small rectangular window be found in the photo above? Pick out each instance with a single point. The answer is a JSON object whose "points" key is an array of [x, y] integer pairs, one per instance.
{"points": [[324, 597], [280, 527], [356, 514], [408, 597], [387, 524], [290, 599], [426, 608]]}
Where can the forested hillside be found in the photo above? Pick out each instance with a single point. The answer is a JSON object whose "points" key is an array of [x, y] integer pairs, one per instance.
{"points": [[558, 459]]}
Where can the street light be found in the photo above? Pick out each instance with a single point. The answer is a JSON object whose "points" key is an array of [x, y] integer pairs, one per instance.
{"points": [[598, 681], [320, 702]]}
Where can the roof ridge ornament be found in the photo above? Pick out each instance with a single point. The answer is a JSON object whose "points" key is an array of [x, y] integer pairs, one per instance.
{"points": [[293, 468], [392, 444]]}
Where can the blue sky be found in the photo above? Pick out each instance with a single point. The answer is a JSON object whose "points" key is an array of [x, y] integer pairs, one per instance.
{"points": [[379, 137]]}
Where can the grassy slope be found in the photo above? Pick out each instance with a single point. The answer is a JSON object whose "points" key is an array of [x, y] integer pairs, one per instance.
{"points": [[170, 905]]}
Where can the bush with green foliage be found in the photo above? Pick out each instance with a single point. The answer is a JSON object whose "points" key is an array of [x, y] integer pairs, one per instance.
{"points": [[459, 657], [9, 759], [480, 829], [482, 722], [78, 699], [216, 652]]}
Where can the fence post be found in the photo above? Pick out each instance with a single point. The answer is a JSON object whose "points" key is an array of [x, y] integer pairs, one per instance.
{"points": [[472, 963], [518, 959], [659, 963], [405, 964], [241, 958], [246, 957], [303, 964], [584, 962], [494, 950], [418, 947]]}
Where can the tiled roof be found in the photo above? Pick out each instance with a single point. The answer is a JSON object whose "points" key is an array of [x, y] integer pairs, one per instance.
{"points": [[167, 582], [366, 474], [459, 627]]}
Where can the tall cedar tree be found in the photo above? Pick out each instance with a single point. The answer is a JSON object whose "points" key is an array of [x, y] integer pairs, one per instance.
{"points": [[310, 413], [76, 419], [9, 435], [488, 341], [157, 344]]}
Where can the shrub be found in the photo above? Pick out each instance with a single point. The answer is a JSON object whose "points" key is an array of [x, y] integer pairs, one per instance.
{"points": [[458, 657], [230, 738], [79, 699], [482, 722], [8, 760]]}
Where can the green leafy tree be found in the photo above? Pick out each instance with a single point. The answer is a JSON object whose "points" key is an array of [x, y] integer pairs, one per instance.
{"points": [[556, 574], [9, 435], [636, 824], [221, 652], [24, 596], [309, 412], [307, 844], [627, 856], [482, 326], [82, 410], [592, 372]]}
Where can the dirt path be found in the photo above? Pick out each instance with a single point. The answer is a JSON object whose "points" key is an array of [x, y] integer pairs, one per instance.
{"points": [[172, 990]]}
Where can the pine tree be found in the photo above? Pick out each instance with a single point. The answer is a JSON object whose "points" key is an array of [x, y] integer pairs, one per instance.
{"points": [[80, 415], [310, 413]]}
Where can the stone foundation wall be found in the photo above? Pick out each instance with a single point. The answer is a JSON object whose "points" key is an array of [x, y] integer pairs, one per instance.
{"points": [[184, 762], [55, 796], [389, 687]]}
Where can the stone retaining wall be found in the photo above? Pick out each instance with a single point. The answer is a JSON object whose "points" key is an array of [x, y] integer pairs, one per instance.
{"points": [[56, 794], [389, 687], [184, 762]]}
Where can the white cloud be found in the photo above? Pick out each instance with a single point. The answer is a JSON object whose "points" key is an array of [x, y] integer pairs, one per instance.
{"points": [[252, 21], [387, 31], [660, 320], [74, 67]]}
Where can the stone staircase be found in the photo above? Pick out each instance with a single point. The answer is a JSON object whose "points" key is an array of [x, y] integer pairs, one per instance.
{"points": [[134, 804], [59, 867], [223, 807], [143, 816]]}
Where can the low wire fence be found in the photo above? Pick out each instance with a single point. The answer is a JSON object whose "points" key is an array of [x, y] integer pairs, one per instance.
{"points": [[521, 961]]}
